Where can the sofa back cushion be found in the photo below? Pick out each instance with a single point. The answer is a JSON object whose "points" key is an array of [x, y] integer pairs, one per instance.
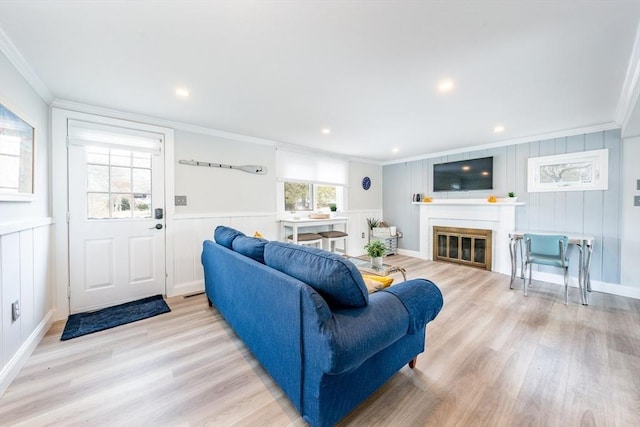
{"points": [[251, 247], [225, 235], [332, 276]]}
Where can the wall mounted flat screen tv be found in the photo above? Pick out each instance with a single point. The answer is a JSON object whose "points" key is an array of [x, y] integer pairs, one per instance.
{"points": [[464, 175]]}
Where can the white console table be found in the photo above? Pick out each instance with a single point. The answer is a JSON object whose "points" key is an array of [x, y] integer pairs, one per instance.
{"points": [[296, 224]]}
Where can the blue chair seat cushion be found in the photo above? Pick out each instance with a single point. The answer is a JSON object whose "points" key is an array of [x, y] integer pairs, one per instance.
{"points": [[547, 260], [336, 279]]}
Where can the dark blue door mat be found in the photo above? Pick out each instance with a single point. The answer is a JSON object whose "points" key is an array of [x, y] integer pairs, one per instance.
{"points": [[87, 323]]}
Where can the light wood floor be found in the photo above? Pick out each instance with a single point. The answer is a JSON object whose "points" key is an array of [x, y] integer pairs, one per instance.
{"points": [[493, 358]]}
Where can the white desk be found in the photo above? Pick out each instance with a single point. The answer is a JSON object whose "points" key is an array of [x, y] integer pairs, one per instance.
{"points": [[584, 243], [296, 224]]}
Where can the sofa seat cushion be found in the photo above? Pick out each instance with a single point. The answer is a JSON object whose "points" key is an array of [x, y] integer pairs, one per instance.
{"points": [[251, 247], [335, 278], [225, 235]]}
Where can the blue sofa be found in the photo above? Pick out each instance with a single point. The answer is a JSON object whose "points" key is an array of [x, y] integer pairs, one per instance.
{"points": [[305, 314]]}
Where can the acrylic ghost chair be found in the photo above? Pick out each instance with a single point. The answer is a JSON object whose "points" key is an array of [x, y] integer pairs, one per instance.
{"points": [[547, 249]]}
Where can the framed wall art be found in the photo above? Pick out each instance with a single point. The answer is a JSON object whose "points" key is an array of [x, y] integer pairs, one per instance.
{"points": [[580, 171], [16, 157]]}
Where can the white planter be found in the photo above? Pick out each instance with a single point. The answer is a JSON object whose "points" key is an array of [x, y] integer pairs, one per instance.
{"points": [[513, 199], [376, 261]]}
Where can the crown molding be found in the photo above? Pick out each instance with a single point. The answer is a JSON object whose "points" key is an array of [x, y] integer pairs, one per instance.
{"points": [[15, 57], [107, 112], [115, 114], [523, 140], [631, 85]]}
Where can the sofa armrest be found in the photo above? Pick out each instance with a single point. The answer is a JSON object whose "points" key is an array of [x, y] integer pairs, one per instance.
{"points": [[422, 299], [353, 335]]}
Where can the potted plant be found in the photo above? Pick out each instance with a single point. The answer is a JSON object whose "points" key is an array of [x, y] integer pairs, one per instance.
{"points": [[372, 223], [333, 207], [376, 250], [512, 196]]}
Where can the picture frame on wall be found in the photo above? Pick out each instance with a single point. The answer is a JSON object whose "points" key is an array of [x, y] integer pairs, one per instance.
{"points": [[579, 171], [17, 139]]}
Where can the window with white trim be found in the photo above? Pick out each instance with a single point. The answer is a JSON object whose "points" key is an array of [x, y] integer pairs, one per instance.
{"points": [[310, 182], [301, 196]]}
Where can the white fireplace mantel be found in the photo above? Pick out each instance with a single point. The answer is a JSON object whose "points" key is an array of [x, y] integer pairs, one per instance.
{"points": [[499, 217]]}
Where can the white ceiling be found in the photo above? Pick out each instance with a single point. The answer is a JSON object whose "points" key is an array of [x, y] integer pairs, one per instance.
{"points": [[282, 71]]}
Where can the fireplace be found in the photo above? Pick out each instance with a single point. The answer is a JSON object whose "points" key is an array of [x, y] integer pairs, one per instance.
{"points": [[466, 246], [499, 218]]}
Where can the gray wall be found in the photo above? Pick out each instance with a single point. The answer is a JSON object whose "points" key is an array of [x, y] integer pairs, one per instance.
{"points": [[590, 212]]}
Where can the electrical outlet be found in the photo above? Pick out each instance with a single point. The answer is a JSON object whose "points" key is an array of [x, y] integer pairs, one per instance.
{"points": [[15, 310], [363, 234], [181, 200], [636, 200], [638, 184]]}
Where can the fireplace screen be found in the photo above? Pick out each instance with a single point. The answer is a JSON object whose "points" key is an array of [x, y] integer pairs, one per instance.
{"points": [[467, 246]]}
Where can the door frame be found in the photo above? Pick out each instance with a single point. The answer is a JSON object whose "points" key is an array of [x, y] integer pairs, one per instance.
{"points": [[60, 197]]}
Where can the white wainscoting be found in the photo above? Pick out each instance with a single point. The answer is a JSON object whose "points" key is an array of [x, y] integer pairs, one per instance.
{"points": [[189, 231], [25, 276]]}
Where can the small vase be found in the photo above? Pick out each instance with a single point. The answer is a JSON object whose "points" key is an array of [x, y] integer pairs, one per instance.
{"points": [[376, 261]]}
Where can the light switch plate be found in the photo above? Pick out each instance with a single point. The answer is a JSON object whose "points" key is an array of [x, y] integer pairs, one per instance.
{"points": [[638, 184], [181, 200], [636, 200]]}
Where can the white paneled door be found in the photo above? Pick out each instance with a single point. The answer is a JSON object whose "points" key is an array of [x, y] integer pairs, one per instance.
{"points": [[116, 216]]}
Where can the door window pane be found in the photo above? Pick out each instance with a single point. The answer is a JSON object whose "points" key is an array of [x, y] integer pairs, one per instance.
{"points": [[97, 206], [142, 180], [98, 178], [141, 160], [121, 205], [120, 179], [121, 157], [142, 205], [118, 184], [98, 155]]}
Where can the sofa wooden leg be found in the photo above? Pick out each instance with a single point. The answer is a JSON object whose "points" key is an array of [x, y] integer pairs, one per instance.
{"points": [[210, 303], [412, 362]]}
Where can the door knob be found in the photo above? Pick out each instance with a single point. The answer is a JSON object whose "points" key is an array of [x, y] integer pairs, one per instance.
{"points": [[157, 227]]}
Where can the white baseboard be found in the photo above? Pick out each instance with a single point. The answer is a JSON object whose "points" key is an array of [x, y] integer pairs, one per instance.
{"points": [[597, 286], [12, 368], [406, 252], [186, 288]]}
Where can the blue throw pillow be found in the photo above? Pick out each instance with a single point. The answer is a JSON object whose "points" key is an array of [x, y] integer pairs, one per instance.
{"points": [[251, 247], [224, 235], [335, 278]]}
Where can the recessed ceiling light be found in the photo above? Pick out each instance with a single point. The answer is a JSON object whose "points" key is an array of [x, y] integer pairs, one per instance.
{"points": [[485, 173], [498, 129], [395, 150], [466, 167], [182, 92], [446, 86], [326, 131]]}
